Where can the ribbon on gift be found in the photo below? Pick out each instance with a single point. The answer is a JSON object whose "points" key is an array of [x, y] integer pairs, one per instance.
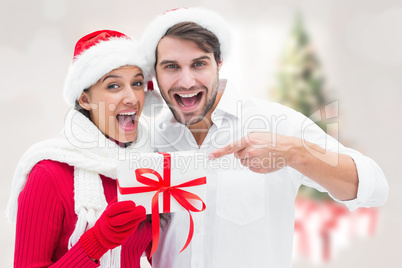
{"points": [[163, 185]]}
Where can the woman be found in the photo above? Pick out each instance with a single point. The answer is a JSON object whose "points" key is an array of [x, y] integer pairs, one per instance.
{"points": [[64, 190]]}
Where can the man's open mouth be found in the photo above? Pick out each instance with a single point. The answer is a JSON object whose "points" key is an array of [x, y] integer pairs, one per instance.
{"points": [[126, 120], [188, 100]]}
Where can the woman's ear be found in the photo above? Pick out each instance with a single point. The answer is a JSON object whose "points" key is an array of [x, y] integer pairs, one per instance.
{"points": [[84, 101]]}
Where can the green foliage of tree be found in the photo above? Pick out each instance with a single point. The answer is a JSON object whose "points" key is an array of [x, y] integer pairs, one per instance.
{"points": [[301, 83]]}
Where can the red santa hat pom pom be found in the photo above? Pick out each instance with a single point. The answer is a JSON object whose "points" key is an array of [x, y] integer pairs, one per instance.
{"points": [[98, 53], [205, 18], [153, 104], [150, 86]]}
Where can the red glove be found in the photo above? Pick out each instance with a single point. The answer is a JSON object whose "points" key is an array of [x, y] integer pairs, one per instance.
{"points": [[115, 225]]}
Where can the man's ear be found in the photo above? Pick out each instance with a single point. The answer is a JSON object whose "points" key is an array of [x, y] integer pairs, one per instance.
{"points": [[84, 101], [220, 65]]}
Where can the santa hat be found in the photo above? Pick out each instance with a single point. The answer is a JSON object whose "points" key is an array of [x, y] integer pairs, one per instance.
{"points": [[98, 53], [205, 18]]}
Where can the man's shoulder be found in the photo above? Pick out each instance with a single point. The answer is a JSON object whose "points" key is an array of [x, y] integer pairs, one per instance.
{"points": [[264, 106], [253, 103]]}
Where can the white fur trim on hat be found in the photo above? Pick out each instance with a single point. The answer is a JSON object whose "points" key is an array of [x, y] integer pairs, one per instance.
{"points": [[100, 59], [205, 18]]}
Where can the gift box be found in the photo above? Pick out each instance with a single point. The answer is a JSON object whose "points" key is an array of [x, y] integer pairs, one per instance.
{"points": [[164, 183]]}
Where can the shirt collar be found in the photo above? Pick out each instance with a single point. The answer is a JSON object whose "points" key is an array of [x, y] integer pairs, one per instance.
{"points": [[229, 100]]}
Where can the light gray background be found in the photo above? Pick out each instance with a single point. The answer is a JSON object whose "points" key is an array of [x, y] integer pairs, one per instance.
{"points": [[359, 43]]}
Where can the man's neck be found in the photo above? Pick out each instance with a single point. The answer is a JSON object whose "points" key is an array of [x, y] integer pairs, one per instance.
{"points": [[200, 129]]}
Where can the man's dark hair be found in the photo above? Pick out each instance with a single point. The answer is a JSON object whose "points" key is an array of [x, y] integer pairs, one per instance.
{"points": [[204, 39]]}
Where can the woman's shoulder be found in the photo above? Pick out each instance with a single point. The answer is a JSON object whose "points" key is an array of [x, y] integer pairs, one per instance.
{"points": [[53, 171], [51, 166], [54, 176]]}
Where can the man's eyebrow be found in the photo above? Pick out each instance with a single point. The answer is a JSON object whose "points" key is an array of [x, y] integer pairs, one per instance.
{"points": [[167, 62], [175, 62], [203, 58]]}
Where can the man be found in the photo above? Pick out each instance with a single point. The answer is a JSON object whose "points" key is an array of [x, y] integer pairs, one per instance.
{"points": [[271, 151]]}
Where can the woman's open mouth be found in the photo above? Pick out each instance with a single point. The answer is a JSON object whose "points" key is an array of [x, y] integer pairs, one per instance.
{"points": [[189, 100], [127, 121]]}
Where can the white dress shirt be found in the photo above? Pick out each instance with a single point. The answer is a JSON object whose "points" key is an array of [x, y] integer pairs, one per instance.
{"points": [[249, 220]]}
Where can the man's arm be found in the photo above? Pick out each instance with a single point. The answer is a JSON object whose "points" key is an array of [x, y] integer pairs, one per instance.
{"points": [[335, 172], [264, 152]]}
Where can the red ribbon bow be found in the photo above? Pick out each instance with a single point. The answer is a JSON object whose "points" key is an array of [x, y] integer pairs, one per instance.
{"points": [[163, 186]]}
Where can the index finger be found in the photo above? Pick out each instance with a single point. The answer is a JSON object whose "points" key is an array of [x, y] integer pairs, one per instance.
{"points": [[231, 148]]}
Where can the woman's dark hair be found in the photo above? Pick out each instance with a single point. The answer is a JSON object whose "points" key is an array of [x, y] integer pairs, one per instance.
{"points": [[204, 39], [164, 219]]}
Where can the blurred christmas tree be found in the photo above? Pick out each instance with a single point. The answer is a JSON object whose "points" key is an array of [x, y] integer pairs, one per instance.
{"points": [[301, 82]]}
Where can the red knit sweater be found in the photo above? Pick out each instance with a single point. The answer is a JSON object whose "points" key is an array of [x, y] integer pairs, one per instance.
{"points": [[46, 220]]}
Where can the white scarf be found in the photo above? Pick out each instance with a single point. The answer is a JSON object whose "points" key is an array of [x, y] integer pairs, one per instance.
{"points": [[85, 148]]}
